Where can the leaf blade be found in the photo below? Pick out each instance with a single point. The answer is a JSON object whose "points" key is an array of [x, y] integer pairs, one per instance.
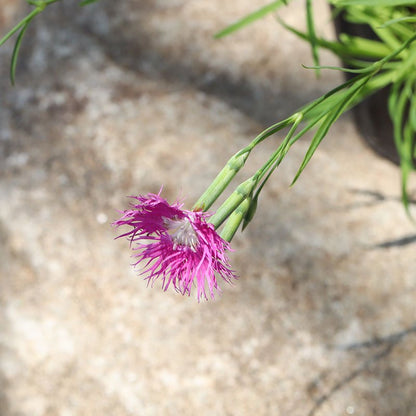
{"points": [[86, 2], [250, 18], [373, 3], [15, 53], [310, 24], [330, 118]]}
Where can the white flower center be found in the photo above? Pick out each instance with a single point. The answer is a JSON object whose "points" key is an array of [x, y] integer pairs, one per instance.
{"points": [[181, 232]]}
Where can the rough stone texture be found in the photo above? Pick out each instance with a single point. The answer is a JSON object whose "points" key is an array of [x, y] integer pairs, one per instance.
{"points": [[119, 98]]}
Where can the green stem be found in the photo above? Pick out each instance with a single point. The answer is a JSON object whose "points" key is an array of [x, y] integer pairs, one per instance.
{"points": [[221, 181], [22, 23], [268, 132]]}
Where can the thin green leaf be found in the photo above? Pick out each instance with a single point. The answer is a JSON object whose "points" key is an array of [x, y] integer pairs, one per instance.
{"points": [[379, 81], [48, 2], [323, 104], [250, 18], [374, 3], [373, 19], [409, 137], [16, 52], [85, 2], [351, 46], [312, 34], [267, 133], [367, 48], [406, 165], [277, 154], [398, 20], [412, 112], [342, 69], [398, 100], [22, 23], [330, 118], [276, 159]]}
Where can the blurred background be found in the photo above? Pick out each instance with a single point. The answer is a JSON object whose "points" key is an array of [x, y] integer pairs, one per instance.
{"points": [[120, 98]]}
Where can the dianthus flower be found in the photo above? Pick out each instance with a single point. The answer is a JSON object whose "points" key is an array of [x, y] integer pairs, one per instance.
{"points": [[177, 246]]}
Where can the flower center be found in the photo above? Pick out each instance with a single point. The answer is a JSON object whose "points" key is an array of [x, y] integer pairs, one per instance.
{"points": [[181, 232]]}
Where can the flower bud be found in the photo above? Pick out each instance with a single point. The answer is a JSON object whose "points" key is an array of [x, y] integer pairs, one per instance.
{"points": [[234, 220], [233, 201], [221, 182], [250, 211]]}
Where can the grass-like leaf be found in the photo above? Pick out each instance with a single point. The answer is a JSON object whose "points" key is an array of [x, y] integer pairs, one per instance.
{"points": [[404, 134], [407, 19], [85, 2], [373, 3], [22, 26], [22, 23], [412, 112], [351, 46], [250, 18], [374, 18], [329, 100], [408, 164], [329, 120], [16, 52], [312, 35], [340, 68]]}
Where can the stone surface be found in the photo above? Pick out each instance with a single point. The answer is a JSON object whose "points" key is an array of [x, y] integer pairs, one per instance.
{"points": [[118, 98]]}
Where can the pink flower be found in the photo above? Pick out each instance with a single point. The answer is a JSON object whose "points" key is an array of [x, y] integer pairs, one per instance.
{"points": [[178, 246]]}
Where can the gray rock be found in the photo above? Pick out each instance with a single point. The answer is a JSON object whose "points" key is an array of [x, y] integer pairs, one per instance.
{"points": [[120, 98]]}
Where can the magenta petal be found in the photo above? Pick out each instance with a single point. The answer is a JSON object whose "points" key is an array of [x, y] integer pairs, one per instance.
{"points": [[176, 246]]}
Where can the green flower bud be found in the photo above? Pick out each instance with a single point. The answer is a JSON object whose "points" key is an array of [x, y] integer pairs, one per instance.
{"points": [[234, 220], [221, 182], [250, 211], [233, 201]]}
